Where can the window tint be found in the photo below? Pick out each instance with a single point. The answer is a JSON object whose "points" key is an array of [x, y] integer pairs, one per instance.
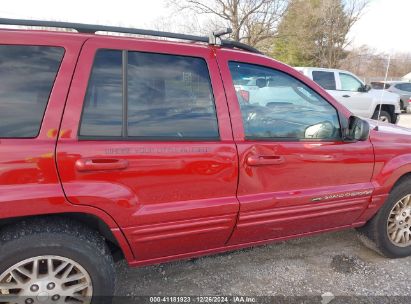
{"points": [[27, 74], [349, 83], [169, 97], [103, 105], [325, 79], [278, 106], [404, 87]]}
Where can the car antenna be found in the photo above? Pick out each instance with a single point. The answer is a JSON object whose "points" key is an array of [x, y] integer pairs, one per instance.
{"points": [[382, 91]]}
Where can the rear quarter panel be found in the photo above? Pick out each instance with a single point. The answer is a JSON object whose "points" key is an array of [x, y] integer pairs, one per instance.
{"points": [[29, 181]]}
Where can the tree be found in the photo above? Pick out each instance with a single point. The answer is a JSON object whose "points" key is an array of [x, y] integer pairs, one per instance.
{"points": [[371, 65], [315, 32], [252, 21]]}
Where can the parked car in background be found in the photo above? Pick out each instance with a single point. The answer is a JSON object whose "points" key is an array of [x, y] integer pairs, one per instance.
{"points": [[358, 97], [401, 88]]}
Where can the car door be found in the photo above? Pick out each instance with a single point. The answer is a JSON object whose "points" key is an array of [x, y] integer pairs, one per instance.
{"points": [[296, 175], [348, 94], [146, 146]]}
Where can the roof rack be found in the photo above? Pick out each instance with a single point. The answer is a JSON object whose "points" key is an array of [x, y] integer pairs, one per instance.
{"points": [[213, 39]]}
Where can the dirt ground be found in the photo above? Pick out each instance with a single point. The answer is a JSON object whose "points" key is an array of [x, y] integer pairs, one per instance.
{"points": [[322, 267]]}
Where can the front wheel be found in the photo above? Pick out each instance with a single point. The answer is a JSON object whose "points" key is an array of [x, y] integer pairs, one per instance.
{"points": [[54, 263], [390, 228], [384, 116]]}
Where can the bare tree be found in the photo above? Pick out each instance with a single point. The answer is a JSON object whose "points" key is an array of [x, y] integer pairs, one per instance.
{"points": [[370, 64], [252, 21]]}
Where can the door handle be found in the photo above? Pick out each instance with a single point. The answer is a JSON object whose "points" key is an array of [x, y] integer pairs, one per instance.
{"points": [[346, 96], [263, 160], [97, 164]]}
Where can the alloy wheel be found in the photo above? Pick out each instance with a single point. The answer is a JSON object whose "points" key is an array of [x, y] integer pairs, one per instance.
{"points": [[399, 222], [46, 279]]}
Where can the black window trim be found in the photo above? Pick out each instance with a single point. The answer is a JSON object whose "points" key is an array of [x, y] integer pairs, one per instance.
{"points": [[287, 139], [51, 90], [124, 136]]}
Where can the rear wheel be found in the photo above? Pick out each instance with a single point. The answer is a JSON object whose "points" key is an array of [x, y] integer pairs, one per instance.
{"points": [[390, 229], [384, 116], [57, 263]]}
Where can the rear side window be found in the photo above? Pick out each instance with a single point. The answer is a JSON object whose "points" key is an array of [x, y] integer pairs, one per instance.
{"points": [[147, 96], [169, 97], [325, 79], [27, 75], [103, 105]]}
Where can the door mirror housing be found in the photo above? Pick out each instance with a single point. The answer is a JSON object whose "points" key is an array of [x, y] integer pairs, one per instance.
{"points": [[357, 129], [364, 88]]}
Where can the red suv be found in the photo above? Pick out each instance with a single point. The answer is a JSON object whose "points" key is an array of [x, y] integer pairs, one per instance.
{"points": [[150, 150]]}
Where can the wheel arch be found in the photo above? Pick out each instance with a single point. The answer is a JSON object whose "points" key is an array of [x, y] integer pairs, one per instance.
{"points": [[392, 175], [113, 237], [388, 108]]}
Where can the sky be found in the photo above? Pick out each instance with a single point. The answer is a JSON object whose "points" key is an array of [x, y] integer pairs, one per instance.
{"points": [[384, 25]]}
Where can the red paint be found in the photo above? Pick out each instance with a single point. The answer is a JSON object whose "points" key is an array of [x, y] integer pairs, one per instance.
{"points": [[170, 200]]}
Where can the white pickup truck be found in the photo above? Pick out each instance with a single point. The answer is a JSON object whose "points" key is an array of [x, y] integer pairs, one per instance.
{"points": [[359, 98]]}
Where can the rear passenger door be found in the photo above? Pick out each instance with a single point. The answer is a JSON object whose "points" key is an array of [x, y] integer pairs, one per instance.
{"points": [[146, 137]]}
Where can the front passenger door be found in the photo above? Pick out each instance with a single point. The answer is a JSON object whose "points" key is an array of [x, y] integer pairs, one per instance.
{"points": [[348, 94], [296, 174]]}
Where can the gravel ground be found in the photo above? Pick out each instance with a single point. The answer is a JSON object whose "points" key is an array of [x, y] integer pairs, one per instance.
{"points": [[332, 264], [336, 263]]}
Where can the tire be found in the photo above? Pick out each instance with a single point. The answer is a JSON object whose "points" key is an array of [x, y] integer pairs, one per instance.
{"points": [[56, 241], [384, 116], [376, 230]]}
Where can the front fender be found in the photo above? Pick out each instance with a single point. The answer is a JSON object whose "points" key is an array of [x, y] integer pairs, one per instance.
{"points": [[387, 173]]}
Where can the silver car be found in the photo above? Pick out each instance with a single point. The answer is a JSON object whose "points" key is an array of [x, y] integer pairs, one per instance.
{"points": [[402, 88]]}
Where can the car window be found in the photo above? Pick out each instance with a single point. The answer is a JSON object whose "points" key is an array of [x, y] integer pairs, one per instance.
{"points": [[278, 106], [325, 79], [27, 75], [158, 97], [404, 87], [349, 83], [103, 105], [170, 97]]}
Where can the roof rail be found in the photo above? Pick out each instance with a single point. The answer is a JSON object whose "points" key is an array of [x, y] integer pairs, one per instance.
{"points": [[214, 38]]}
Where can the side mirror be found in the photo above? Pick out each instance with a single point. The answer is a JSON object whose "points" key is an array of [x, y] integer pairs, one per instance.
{"points": [[364, 88], [261, 82], [357, 130]]}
